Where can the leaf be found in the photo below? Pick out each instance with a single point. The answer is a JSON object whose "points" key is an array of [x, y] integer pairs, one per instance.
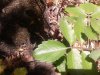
{"points": [[96, 14], [78, 28], [96, 25], [75, 11], [90, 34], [49, 51], [89, 8], [62, 67], [61, 64], [67, 31], [85, 63], [71, 19], [88, 67], [74, 62], [20, 71], [74, 58], [95, 55]]}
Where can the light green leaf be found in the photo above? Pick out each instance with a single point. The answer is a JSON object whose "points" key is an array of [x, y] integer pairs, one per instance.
{"points": [[95, 55], [96, 14], [49, 51], [74, 62], [96, 25], [20, 71], [89, 8], [90, 34], [74, 58], [88, 67], [71, 19], [67, 31], [85, 63], [61, 64], [79, 28], [75, 11]]}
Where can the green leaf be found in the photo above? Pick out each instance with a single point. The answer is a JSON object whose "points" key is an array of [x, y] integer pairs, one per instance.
{"points": [[89, 8], [75, 11], [90, 34], [74, 62], [78, 28], [71, 19], [20, 71], [96, 14], [74, 58], [85, 63], [95, 55], [67, 30], [61, 64], [88, 67], [96, 25], [49, 51]]}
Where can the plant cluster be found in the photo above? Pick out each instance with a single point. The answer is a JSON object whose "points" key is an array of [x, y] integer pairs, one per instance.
{"points": [[25, 23], [77, 52]]}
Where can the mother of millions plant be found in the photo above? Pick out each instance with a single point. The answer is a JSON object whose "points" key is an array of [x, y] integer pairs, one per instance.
{"points": [[76, 54]]}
